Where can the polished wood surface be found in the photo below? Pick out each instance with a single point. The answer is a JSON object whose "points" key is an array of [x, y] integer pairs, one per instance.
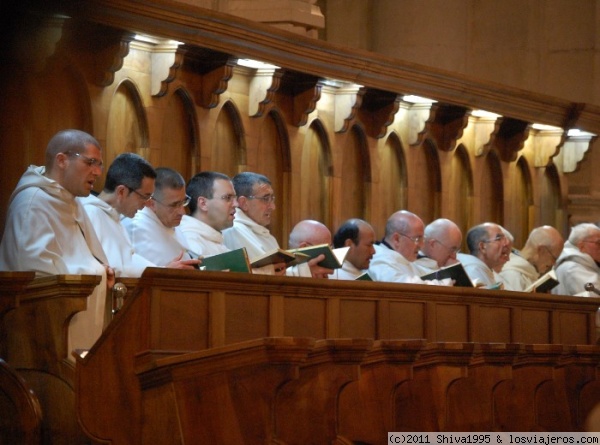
{"points": [[252, 359]]}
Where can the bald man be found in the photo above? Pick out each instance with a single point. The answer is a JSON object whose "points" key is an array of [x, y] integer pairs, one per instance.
{"points": [[309, 233], [542, 248], [488, 252], [441, 243], [394, 257]]}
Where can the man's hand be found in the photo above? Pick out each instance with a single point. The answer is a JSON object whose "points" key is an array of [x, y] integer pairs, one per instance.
{"points": [[178, 263], [279, 268], [318, 271], [110, 277]]}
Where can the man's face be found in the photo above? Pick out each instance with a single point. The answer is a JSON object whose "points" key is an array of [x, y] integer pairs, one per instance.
{"points": [[591, 246], [444, 249], [409, 244], [133, 200], [169, 206], [80, 171], [494, 251], [219, 211], [360, 255], [260, 205]]}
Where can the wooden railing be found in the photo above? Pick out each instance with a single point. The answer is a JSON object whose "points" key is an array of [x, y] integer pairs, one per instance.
{"points": [[198, 357]]}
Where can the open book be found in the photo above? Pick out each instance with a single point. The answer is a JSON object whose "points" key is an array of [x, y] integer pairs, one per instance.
{"points": [[545, 283], [232, 261], [273, 257], [334, 258], [455, 271]]}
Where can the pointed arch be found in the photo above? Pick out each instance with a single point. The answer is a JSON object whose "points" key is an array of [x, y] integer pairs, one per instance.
{"points": [[228, 143], [492, 190], [274, 155], [127, 124], [521, 204], [355, 176], [550, 202], [179, 141], [460, 190], [393, 182], [428, 207], [316, 171]]}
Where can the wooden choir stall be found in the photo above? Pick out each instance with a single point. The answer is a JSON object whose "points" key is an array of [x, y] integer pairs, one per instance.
{"points": [[199, 357]]}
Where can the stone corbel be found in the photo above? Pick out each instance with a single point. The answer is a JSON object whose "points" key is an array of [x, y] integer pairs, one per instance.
{"points": [[263, 86], [167, 58], [215, 68], [573, 151], [546, 145], [446, 125], [483, 128], [348, 99], [415, 117], [35, 42], [377, 111], [108, 47], [508, 137], [298, 96]]}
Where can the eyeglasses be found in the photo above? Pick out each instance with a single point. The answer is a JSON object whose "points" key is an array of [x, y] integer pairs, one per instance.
{"points": [[177, 204], [450, 249], [554, 257], [226, 198], [266, 199], [499, 237], [91, 162], [144, 197], [414, 239]]}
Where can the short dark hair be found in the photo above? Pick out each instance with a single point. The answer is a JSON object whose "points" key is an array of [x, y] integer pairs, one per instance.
{"points": [[244, 182], [203, 185], [474, 236], [350, 229], [128, 169], [167, 178]]}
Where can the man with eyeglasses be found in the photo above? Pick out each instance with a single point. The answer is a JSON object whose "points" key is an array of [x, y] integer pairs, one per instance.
{"points": [[48, 231], [537, 257], [579, 262], [128, 187], [441, 243], [212, 210], [489, 250], [394, 257], [256, 203], [153, 230]]}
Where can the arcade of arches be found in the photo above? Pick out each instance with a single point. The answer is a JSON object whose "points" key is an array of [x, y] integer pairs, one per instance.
{"points": [[339, 138]]}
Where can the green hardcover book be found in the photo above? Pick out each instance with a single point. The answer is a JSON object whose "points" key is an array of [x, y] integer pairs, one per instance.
{"points": [[232, 261], [333, 257]]}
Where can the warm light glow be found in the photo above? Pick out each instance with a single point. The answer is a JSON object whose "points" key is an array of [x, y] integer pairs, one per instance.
{"points": [[574, 132], [486, 114], [256, 64], [545, 127], [418, 99]]}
